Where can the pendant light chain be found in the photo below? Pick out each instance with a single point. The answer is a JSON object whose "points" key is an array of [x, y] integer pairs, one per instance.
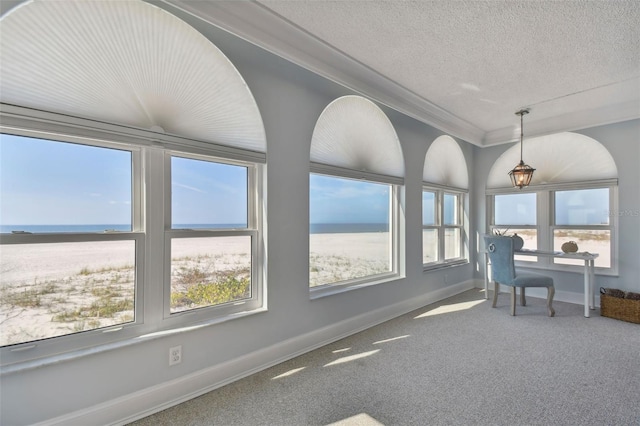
{"points": [[521, 133]]}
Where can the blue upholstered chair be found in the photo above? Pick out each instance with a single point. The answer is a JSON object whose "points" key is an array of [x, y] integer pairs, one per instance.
{"points": [[503, 271]]}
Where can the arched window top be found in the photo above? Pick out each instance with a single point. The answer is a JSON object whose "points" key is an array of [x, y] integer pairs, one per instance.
{"points": [[127, 63], [355, 135], [444, 164], [558, 158]]}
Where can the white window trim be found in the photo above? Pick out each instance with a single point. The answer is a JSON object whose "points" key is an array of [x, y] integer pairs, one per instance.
{"points": [[394, 235], [203, 313], [440, 191], [545, 216], [148, 232], [341, 172]]}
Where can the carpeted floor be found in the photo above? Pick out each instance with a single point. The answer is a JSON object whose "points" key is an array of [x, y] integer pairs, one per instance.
{"points": [[457, 362]]}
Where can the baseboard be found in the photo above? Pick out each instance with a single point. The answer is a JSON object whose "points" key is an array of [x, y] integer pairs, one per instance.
{"points": [[143, 403]]}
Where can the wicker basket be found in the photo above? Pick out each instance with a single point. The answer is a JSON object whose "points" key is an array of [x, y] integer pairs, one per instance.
{"points": [[620, 308]]}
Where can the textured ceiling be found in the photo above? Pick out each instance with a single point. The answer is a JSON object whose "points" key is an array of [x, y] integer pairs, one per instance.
{"points": [[463, 66], [482, 61]]}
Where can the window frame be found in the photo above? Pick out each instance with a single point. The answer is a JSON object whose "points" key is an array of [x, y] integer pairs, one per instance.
{"points": [[47, 346], [170, 233], [545, 215], [149, 203], [441, 227], [525, 260], [553, 226], [394, 233]]}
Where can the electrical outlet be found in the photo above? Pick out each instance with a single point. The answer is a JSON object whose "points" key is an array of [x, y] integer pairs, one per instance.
{"points": [[175, 355]]}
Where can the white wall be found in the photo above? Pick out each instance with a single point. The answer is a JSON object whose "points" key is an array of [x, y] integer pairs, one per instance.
{"points": [[121, 383], [623, 142]]}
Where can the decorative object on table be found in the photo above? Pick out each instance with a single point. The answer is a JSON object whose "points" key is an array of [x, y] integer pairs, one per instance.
{"points": [[500, 233], [518, 242], [521, 174], [620, 305], [569, 247], [503, 271]]}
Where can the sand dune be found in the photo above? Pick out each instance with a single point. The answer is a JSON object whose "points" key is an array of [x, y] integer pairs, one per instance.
{"points": [[49, 290]]}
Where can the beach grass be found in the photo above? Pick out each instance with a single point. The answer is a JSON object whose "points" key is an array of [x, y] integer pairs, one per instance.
{"points": [[62, 295], [193, 287]]}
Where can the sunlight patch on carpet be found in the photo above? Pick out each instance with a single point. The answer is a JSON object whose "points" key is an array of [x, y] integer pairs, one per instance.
{"points": [[352, 358], [288, 373], [445, 309], [362, 419], [391, 339]]}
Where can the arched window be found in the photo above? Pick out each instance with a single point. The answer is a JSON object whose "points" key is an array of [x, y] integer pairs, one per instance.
{"points": [[572, 193], [445, 187], [356, 169], [133, 146]]}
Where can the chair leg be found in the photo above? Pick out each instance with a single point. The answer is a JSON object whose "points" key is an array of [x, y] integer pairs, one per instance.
{"points": [[523, 302], [550, 292], [496, 288], [513, 301]]}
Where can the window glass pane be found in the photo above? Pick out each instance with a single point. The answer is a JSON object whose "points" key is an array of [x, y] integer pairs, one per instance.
{"points": [[451, 210], [209, 195], [54, 289], [428, 208], [50, 186], [429, 245], [452, 247], [530, 238], [209, 271], [515, 209], [350, 229], [582, 207], [592, 241]]}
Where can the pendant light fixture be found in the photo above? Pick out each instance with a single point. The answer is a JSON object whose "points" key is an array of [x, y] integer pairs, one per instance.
{"points": [[521, 174]]}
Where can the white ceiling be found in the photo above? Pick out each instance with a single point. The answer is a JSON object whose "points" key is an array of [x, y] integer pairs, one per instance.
{"points": [[463, 66]]}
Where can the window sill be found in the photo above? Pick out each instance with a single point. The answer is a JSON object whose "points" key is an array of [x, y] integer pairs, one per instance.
{"points": [[428, 267], [21, 366], [332, 289]]}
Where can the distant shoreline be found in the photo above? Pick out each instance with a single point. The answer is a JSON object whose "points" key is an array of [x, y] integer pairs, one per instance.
{"points": [[314, 228]]}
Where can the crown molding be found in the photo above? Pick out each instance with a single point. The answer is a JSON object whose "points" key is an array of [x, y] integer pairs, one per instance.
{"points": [[568, 122], [260, 26], [255, 23]]}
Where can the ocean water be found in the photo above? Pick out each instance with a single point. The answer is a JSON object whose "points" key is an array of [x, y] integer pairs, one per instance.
{"points": [[339, 228], [316, 228], [49, 229]]}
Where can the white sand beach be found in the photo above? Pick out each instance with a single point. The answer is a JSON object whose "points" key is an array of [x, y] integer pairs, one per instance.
{"points": [[587, 241], [49, 290]]}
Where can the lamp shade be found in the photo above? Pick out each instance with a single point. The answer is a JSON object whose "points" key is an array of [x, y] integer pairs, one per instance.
{"points": [[521, 175]]}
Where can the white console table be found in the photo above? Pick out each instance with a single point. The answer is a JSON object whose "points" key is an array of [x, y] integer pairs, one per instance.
{"points": [[589, 276]]}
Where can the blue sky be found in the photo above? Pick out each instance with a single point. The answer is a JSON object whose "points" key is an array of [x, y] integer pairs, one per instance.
{"points": [[45, 183], [52, 183], [429, 208], [208, 193], [336, 200], [578, 207]]}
